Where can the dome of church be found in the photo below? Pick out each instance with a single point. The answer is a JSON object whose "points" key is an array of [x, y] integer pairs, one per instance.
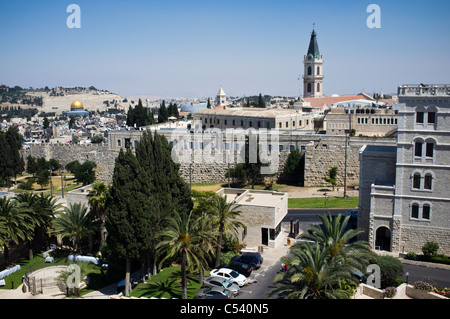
{"points": [[76, 105]]}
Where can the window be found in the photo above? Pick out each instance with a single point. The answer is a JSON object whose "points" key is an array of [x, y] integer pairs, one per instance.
{"points": [[428, 181], [279, 125], [416, 181], [309, 70], [415, 210], [429, 149], [419, 117], [309, 88], [431, 117], [287, 124], [318, 87], [426, 211], [418, 149], [318, 70]]}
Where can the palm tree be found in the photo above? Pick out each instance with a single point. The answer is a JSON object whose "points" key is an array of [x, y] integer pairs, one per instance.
{"points": [[335, 234], [183, 240], [97, 198], [16, 225], [224, 215], [27, 203], [312, 274], [84, 270], [75, 223]]}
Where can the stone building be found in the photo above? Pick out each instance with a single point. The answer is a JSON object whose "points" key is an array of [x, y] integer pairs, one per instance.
{"points": [[404, 195], [261, 213], [221, 98], [253, 117], [365, 120], [313, 69]]}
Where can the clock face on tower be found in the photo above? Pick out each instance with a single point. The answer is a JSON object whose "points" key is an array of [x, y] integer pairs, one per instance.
{"points": [[310, 57]]}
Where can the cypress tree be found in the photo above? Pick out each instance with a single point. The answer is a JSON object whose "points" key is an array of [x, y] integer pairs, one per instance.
{"points": [[163, 113]]}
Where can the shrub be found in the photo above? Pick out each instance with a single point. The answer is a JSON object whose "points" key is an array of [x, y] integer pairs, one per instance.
{"points": [[390, 268], [430, 249], [422, 285], [411, 256], [390, 292]]}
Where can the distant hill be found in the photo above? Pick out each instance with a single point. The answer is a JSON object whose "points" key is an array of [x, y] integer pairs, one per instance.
{"points": [[60, 99]]}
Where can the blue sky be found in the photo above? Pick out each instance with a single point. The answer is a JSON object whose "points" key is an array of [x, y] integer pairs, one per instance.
{"points": [[191, 48]]}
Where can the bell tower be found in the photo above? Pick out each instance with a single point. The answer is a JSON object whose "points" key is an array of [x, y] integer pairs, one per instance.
{"points": [[313, 72]]}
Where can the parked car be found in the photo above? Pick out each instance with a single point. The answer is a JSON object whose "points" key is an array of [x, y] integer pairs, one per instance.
{"points": [[353, 213], [221, 283], [213, 293], [243, 269], [255, 260], [230, 274]]}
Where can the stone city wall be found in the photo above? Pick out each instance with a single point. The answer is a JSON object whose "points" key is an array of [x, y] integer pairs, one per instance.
{"points": [[321, 153]]}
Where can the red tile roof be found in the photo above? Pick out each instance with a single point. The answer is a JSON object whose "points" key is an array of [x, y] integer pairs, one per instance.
{"points": [[319, 102]]}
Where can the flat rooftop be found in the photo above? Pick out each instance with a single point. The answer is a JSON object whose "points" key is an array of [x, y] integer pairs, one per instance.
{"points": [[245, 197]]}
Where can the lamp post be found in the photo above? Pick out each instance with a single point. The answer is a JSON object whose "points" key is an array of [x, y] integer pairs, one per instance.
{"points": [[325, 194]]}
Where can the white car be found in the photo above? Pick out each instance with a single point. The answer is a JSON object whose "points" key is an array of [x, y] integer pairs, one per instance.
{"points": [[232, 275]]}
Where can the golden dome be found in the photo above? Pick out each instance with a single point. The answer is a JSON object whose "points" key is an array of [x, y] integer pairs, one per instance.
{"points": [[76, 105]]}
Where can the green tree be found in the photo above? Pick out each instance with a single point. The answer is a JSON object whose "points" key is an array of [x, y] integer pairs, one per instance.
{"points": [[31, 165], [15, 225], [84, 173], [75, 223], [312, 275], [391, 268], [319, 268], [261, 102], [163, 114], [332, 176], [293, 166], [125, 212], [223, 216], [46, 123], [97, 199], [335, 234], [183, 241]]}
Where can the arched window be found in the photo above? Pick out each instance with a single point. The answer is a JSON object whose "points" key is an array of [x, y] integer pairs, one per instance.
{"points": [[318, 70], [309, 88], [418, 145], [428, 182], [318, 87], [415, 210], [309, 70], [426, 210], [416, 181]]}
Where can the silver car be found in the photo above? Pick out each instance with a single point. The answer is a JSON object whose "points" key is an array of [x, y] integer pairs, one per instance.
{"points": [[222, 283], [213, 293]]}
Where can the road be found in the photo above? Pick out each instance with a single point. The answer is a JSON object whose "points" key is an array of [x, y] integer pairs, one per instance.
{"points": [[265, 275]]}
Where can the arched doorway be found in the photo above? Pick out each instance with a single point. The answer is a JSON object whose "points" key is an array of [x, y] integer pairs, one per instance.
{"points": [[383, 239]]}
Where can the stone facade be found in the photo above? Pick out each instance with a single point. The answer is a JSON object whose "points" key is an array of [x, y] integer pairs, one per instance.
{"points": [[413, 209], [65, 153], [261, 212], [365, 121]]}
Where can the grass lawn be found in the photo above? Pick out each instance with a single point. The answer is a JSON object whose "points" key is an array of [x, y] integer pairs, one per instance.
{"points": [[317, 202], [167, 284], [37, 262]]}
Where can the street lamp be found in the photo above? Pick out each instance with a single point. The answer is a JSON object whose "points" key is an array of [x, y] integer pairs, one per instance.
{"points": [[325, 194]]}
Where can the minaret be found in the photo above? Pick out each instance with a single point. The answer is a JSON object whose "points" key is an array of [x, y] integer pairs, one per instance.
{"points": [[313, 62], [221, 98]]}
